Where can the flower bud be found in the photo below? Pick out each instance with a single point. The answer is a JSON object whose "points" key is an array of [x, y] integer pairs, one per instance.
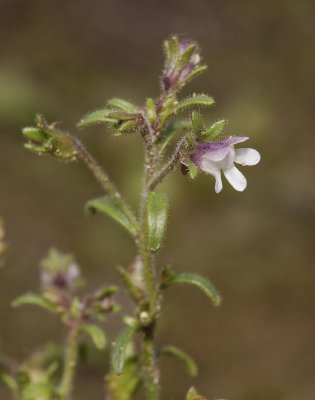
{"points": [[182, 61], [59, 271]]}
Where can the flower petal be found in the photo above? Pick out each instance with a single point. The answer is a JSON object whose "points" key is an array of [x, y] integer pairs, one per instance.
{"points": [[247, 156], [236, 178], [210, 168], [216, 155]]}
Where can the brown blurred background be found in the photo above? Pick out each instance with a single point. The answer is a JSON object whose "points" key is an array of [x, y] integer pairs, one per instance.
{"points": [[63, 58]]}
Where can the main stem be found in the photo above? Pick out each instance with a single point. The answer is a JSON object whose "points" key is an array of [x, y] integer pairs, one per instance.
{"points": [[71, 356], [151, 373]]}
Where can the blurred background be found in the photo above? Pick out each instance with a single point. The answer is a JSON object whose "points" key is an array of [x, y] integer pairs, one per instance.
{"points": [[64, 58]]}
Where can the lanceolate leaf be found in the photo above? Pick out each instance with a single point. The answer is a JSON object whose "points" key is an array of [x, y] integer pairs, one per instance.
{"points": [[181, 356], [196, 280], [96, 334], [156, 218], [122, 104], [97, 117], [35, 299], [120, 348], [107, 206], [196, 100]]}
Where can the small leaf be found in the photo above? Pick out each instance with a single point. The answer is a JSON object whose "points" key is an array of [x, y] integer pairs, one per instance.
{"points": [[181, 356], [97, 117], [124, 105], [171, 48], [196, 122], [120, 349], [194, 73], [156, 217], [35, 299], [127, 127], [193, 395], [151, 110], [107, 206], [126, 385], [9, 381], [213, 132], [96, 334], [196, 280], [196, 100]]}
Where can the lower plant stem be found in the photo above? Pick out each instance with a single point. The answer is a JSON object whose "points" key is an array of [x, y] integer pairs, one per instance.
{"points": [[151, 372], [71, 355]]}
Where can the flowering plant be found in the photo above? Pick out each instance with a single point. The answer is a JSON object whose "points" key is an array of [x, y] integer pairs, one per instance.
{"points": [[195, 147]]}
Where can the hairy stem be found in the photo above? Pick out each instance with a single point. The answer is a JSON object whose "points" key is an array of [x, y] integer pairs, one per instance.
{"points": [[104, 180], [71, 355], [169, 166], [151, 372]]}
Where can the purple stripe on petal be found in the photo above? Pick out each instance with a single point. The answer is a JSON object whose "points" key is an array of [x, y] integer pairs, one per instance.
{"points": [[207, 147]]}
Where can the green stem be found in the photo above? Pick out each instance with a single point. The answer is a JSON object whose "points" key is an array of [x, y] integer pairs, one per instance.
{"points": [[71, 356], [104, 180], [151, 372]]}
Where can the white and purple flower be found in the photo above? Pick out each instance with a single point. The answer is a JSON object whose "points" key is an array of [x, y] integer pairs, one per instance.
{"points": [[214, 157]]}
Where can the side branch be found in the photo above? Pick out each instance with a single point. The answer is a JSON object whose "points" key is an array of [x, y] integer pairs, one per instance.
{"points": [[103, 179], [170, 165]]}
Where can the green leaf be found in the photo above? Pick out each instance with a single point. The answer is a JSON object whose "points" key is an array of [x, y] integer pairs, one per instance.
{"points": [[35, 299], [213, 132], [193, 395], [96, 334], [126, 385], [195, 100], [196, 280], [120, 349], [181, 356], [107, 206], [151, 110], [97, 117], [124, 105], [194, 73], [156, 218], [9, 381], [127, 127]]}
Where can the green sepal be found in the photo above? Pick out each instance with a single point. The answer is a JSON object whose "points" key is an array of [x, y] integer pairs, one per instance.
{"points": [[192, 169], [156, 220], [96, 334], [35, 299], [119, 351], [193, 395], [170, 278], [181, 356], [171, 47], [197, 122], [213, 131], [194, 73], [196, 100], [97, 117], [123, 105], [109, 207], [185, 57]]}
